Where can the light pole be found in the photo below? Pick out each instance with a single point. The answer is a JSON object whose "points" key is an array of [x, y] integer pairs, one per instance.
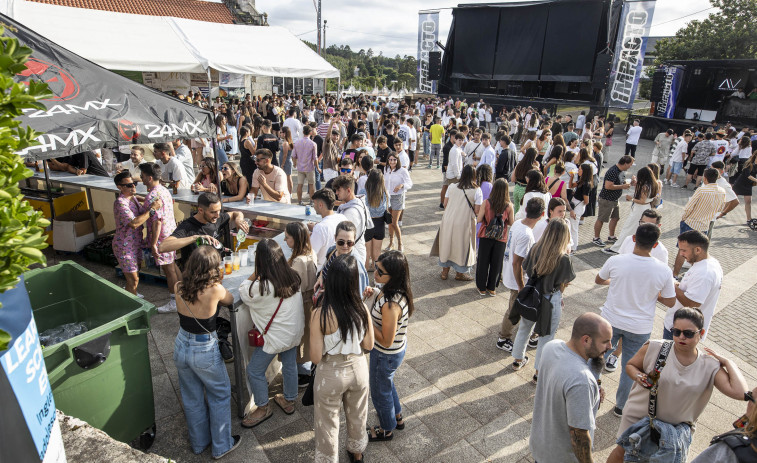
{"points": [[318, 14], [325, 21]]}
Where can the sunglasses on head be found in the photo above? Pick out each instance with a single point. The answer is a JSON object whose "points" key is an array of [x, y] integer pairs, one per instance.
{"points": [[128, 185], [687, 333], [345, 242]]}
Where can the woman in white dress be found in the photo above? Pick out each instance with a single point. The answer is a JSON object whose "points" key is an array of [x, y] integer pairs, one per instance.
{"points": [[646, 191]]}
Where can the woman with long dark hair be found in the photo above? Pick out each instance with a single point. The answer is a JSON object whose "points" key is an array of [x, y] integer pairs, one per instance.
{"points": [[455, 243], [548, 259], [302, 261], [647, 187], [203, 380], [584, 157], [491, 249], [222, 138], [207, 177], [247, 153], [519, 176], [581, 198], [377, 200], [340, 331], [543, 143], [234, 185], [272, 297], [745, 182], [390, 313], [535, 187]]}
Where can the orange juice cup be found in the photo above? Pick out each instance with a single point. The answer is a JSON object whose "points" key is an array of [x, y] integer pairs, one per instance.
{"points": [[227, 265]]}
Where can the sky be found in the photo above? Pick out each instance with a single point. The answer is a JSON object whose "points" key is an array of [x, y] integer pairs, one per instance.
{"points": [[371, 24]]}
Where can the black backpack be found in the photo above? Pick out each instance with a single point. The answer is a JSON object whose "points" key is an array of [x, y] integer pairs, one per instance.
{"points": [[505, 164], [529, 300], [496, 228]]}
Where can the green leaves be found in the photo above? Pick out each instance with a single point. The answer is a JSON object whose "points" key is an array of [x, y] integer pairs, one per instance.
{"points": [[21, 227], [730, 33]]}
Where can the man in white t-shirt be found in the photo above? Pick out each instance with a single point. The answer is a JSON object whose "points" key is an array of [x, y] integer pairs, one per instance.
{"points": [[295, 126], [731, 200], [132, 164], [721, 148], [322, 234], [489, 156], [676, 159], [659, 251], [637, 281], [474, 149], [172, 172], [520, 238], [412, 143], [700, 286], [184, 155], [632, 139]]}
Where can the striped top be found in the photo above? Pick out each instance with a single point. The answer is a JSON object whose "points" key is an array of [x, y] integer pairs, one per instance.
{"points": [[702, 207], [400, 336]]}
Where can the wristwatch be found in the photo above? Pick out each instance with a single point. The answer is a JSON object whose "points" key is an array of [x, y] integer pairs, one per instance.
{"points": [[152, 212]]}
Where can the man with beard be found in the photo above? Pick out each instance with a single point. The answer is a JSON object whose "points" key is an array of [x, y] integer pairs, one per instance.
{"points": [[568, 395], [637, 282], [207, 223]]}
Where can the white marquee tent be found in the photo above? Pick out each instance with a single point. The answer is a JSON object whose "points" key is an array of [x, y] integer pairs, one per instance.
{"points": [[164, 44]]}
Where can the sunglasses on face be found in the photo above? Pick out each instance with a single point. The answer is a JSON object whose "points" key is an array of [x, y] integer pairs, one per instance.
{"points": [[128, 185], [380, 272], [225, 168], [687, 333], [345, 171], [347, 243]]}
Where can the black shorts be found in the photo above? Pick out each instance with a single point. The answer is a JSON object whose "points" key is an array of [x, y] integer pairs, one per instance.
{"points": [[378, 232], [697, 169]]}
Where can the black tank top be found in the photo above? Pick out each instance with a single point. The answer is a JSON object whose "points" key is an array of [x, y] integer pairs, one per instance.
{"points": [[196, 325]]}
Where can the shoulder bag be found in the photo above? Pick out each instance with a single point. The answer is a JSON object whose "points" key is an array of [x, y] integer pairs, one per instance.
{"points": [[529, 300], [307, 396], [224, 346], [255, 337]]}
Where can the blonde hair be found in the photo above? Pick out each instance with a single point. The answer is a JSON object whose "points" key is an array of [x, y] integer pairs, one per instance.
{"points": [[551, 247]]}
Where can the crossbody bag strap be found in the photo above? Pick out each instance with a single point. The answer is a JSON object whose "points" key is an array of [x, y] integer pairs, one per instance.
{"points": [[468, 201], [195, 318], [265, 331], [658, 366]]}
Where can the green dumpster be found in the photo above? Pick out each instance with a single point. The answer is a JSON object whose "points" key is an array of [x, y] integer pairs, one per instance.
{"points": [[101, 376]]}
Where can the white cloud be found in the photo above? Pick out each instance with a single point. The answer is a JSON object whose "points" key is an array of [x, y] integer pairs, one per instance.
{"points": [[393, 27]]}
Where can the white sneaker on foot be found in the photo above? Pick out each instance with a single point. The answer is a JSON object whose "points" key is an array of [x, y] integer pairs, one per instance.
{"points": [[169, 307]]}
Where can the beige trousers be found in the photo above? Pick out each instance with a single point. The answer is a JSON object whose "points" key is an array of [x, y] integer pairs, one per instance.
{"points": [[507, 330], [340, 379]]}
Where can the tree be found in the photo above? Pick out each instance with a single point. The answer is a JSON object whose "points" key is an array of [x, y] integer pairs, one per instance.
{"points": [[730, 33], [21, 227]]}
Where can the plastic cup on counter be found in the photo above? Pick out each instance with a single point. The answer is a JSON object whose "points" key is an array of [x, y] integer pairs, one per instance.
{"points": [[236, 262], [250, 198], [243, 257], [227, 264]]}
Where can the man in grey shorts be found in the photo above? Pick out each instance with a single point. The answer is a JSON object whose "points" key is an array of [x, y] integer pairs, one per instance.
{"points": [[607, 203]]}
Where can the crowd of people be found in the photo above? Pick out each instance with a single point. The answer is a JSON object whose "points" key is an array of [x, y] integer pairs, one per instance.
{"points": [[515, 187]]}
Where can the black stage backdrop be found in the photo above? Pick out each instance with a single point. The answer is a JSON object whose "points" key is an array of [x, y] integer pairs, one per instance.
{"points": [[541, 40], [94, 108]]}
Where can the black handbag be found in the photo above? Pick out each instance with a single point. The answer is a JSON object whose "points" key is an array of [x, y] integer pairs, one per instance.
{"points": [[307, 396], [387, 217]]}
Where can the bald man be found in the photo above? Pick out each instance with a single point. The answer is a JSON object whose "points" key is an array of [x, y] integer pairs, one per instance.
{"points": [[567, 393]]}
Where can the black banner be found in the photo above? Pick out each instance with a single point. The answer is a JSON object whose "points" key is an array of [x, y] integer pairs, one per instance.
{"points": [[94, 108]]}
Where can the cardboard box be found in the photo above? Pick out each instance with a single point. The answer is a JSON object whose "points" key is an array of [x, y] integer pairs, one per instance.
{"points": [[72, 231]]}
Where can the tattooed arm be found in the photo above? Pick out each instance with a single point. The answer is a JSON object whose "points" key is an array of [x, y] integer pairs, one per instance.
{"points": [[581, 440]]}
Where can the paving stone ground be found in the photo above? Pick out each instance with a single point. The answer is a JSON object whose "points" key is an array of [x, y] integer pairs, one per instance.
{"points": [[461, 400]]}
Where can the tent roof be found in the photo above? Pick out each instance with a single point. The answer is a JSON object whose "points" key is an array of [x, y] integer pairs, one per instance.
{"points": [[166, 44]]}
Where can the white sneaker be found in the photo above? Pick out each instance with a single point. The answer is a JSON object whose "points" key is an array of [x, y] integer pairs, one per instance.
{"points": [[141, 296], [611, 364], [399, 222], [170, 307]]}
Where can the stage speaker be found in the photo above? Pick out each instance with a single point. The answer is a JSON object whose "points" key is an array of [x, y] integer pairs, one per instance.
{"points": [[658, 85], [602, 65], [434, 65]]}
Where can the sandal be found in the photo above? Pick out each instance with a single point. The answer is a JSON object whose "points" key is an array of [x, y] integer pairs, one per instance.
{"points": [[380, 434], [519, 364], [445, 273], [399, 425], [352, 458], [286, 405], [463, 277], [254, 418]]}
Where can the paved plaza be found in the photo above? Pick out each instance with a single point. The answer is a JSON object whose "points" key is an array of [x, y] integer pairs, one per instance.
{"points": [[461, 400]]}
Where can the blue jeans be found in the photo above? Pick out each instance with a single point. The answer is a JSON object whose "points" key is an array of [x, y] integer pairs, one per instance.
{"points": [[632, 342], [222, 157], [383, 393], [318, 176], [525, 327], [256, 374], [426, 142], [667, 334], [202, 374]]}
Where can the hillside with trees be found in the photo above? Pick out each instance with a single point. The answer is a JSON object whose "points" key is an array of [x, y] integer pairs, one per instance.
{"points": [[365, 69]]}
